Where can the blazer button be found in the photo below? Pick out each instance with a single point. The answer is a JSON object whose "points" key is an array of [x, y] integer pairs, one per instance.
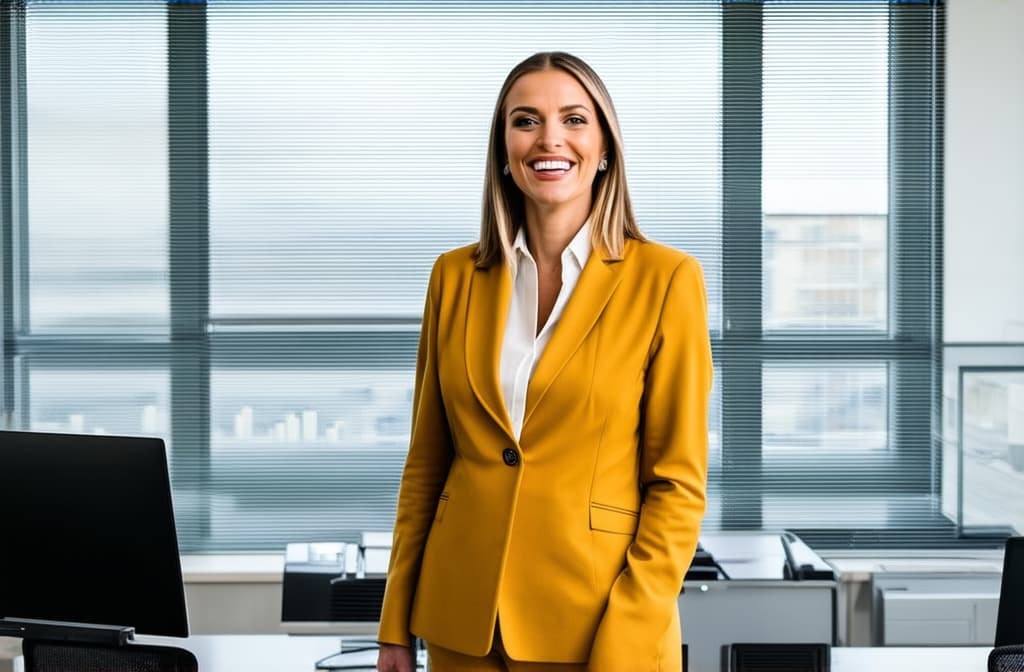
{"points": [[510, 456]]}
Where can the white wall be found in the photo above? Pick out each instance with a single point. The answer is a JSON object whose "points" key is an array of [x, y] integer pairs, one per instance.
{"points": [[984, 190]]}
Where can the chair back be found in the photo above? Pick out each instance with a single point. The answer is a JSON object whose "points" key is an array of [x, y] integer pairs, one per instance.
{"points": [[1006, 659], [775, 657], [1010, 618], [53, 656]]}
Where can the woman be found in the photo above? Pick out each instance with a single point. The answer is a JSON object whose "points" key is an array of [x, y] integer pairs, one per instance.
{"points": [[555, 482]]}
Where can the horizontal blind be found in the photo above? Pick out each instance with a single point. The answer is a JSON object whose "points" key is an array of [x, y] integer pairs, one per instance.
{"points": [[347, 140]]}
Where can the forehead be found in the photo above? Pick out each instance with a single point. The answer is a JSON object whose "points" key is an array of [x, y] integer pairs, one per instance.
{"points": [[547, 88]]}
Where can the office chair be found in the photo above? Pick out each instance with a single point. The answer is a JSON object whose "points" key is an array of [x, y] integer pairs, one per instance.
{"points": [[53, 656], [776, 658], [1010, 617], [1006, 659]]}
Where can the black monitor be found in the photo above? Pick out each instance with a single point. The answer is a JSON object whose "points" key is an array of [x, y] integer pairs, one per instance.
{"points": [[1010, 620], [88, 533]]}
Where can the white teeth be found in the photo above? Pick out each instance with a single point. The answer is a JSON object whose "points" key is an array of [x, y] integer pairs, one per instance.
{"points": [[551, 165]]}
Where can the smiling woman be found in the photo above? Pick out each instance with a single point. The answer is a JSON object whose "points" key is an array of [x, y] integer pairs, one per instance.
{"points": [[560, 411]]}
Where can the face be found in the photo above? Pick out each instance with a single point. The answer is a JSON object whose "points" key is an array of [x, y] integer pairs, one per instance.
{"points": [[553, 139]]}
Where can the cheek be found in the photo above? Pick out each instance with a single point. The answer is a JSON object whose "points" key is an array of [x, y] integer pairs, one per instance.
{"points": [[515, 148], [596, 143], [513, 139]]}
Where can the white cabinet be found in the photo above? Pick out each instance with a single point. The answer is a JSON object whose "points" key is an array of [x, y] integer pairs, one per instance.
{"points": [[935, 610]]}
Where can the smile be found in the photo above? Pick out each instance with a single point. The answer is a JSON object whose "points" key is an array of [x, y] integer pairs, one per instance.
{"points": [[551, 169], [551, 165]]}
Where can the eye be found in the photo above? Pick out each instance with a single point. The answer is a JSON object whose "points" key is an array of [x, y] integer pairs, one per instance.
{"points": [[576, 120], [523, 122]]}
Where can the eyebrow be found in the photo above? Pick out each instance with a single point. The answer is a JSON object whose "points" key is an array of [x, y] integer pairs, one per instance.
{"points": [[533, 110]]}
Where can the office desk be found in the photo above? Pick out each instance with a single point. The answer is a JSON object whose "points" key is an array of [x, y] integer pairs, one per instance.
{"points": [[758, 602], [283, 653]]}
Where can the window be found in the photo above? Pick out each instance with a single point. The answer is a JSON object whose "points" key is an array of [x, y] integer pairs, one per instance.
{"points": [[834, 409], [224, 216]]}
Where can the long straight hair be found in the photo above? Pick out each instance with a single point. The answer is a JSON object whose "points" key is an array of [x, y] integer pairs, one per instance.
{"points": [[504, 210]]}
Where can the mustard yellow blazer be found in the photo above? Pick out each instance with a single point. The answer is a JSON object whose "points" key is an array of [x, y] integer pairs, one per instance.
{"points": [[575, 538]]}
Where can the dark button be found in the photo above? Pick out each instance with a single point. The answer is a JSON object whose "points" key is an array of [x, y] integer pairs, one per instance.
{"points": [[510, 456]]}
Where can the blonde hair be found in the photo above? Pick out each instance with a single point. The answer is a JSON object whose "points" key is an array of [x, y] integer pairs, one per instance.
{"points": [[503, 212]]}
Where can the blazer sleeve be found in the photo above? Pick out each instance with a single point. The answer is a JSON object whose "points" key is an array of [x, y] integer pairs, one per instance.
{"points": [[426, 468], [673, 476]]}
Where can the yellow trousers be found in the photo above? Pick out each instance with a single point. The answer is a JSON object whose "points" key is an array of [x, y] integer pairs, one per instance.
{"points": [[446, 660]]}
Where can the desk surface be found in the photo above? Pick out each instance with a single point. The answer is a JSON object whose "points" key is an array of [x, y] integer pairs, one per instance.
{"points": [[284, 653]]}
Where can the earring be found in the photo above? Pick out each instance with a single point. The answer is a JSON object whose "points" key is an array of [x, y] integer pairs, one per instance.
{"points": [[506, 170], [602, 165]]}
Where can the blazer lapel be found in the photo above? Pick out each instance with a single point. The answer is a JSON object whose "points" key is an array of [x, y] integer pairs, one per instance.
{"points": [[489, 295], [597, 282]]}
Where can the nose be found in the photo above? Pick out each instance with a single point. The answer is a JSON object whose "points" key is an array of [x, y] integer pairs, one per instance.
{"points": [[550, 137]]}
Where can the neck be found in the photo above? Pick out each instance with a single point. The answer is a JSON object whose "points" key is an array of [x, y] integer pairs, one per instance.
{"points": [[550, 230]]}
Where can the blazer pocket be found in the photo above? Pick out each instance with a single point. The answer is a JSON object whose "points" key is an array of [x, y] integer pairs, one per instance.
{"points": [[442, 504], [608, 518]]}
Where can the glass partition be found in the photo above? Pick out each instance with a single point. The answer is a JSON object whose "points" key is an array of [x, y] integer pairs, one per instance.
{"points": [[991, 440]]}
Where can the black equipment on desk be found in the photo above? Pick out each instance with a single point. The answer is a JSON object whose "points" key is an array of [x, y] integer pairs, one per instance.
{"points": [[306, 585], [96, 550], [331, 586], [353, 599], [312, 602]]}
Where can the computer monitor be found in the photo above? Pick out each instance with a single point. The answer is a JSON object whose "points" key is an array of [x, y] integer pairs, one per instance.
{"points": [[88, 533], [1010, 619]]}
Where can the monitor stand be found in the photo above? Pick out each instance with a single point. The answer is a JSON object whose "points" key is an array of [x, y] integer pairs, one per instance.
{"points": [[30, 628]]}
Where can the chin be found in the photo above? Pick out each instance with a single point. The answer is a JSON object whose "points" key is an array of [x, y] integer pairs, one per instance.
{"points": [[548, 198]]}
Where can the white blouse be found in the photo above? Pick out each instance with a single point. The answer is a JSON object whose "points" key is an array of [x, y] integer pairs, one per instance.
{"points": [[522, 346]]}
